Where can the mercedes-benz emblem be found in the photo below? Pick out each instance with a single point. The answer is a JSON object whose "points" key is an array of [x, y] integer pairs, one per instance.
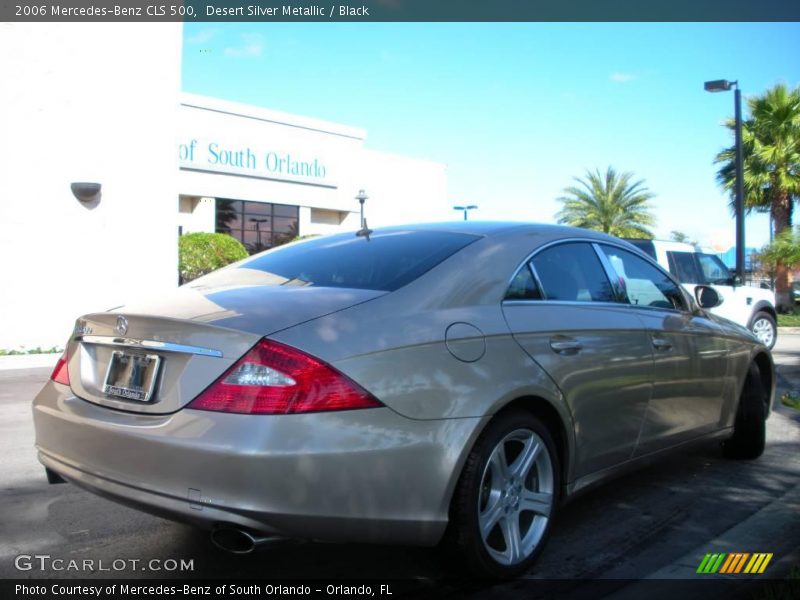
{"points": [[122, 325]]}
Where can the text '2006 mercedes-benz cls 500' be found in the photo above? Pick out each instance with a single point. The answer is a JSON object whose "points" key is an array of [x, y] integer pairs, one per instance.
{"points": [[415, 385]]}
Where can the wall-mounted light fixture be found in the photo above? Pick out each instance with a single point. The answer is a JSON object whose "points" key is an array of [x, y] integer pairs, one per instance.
{"points": [[87, 193]]}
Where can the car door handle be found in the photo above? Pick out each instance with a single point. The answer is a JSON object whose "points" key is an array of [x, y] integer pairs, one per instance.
{"points": [[565, 345], [662, 344]]}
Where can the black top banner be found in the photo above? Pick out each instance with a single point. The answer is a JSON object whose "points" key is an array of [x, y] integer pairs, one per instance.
{"points": [[400, 10]]}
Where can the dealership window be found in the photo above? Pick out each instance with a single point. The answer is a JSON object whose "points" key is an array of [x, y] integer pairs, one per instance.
{"points": [[258, 225]]}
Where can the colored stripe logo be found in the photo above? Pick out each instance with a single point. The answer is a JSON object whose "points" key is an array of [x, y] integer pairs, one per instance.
{"points": [[735, 563]]}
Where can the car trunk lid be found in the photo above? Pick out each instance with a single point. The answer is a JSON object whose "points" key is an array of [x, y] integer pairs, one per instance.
{"points": [[155, 357]]}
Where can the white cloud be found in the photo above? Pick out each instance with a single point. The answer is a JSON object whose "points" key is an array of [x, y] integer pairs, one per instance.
{"points": [[619, 77], [201, 37], [252, 45]]}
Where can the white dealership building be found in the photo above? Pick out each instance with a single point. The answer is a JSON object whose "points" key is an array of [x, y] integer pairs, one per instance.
{"points": [[105, 163]]}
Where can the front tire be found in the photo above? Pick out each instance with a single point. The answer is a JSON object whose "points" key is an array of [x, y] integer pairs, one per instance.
{"points": [[506, 496], [750, 428], [765, 329]]}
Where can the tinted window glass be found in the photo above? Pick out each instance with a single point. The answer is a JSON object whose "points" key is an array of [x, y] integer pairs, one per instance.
{"points": [[644, 284], [523, 287], [714, 270], [572, 272], [385, 262], [684, 266], [646, 246], [258, 225]]}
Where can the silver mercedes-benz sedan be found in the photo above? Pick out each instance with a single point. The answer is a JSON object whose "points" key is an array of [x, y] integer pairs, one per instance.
{"points": [[434, 383]]}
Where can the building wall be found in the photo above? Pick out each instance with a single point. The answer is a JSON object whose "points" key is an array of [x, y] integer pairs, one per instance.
{"points": [[102, 104], [229, 150], [79, 105]]}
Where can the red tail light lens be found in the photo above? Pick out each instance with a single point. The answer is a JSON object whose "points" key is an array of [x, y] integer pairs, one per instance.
{"points": [[61, 372], [275, 379]]}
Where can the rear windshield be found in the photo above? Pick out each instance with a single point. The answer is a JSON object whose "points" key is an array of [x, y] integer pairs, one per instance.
{"points": [[385, 262]]}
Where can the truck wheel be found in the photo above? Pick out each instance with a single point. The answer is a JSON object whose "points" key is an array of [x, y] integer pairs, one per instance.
{"points": [[749, 429], [765, 329]]}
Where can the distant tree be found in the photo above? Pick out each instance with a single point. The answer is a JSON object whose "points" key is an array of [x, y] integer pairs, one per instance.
{"points": [[771, 149], [679, 236], [611, 203], [784, 249]]}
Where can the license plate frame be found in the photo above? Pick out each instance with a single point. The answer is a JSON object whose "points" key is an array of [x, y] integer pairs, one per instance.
{"points": [[131, 376]]}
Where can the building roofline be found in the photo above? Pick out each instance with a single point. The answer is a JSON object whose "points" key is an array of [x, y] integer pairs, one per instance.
{"points": [[258, 113]]}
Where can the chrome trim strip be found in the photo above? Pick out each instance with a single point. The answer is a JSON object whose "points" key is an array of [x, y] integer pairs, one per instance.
{"points": [[107, 340]]}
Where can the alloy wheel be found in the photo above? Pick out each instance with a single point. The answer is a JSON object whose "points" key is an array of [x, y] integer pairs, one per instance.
{"points": [[764, 331], [516, 497]]}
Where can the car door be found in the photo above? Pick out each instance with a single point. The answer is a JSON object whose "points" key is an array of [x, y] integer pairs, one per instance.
{"points": [[564, 312], [690, 354]]}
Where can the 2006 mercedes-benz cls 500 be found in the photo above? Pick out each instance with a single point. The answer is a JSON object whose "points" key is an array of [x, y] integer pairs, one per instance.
{"points": [[410, 385]]}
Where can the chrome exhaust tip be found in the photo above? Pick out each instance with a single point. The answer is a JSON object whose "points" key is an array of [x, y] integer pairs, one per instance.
{"points": [[240, 541]]}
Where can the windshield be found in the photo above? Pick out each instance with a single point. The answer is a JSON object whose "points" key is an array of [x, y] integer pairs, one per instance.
{"points": [[384, 262]]}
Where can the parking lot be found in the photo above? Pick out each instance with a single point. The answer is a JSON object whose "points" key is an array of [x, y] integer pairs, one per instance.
{"points": [[652, 522]]}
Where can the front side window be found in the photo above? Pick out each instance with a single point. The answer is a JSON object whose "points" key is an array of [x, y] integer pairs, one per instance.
{"points": [[644, 284], [572, 272], [714, 270], [683, 265]]}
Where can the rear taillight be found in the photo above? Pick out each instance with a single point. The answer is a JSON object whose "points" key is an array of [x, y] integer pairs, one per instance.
{"points": [[275, 379], [61, 372]]}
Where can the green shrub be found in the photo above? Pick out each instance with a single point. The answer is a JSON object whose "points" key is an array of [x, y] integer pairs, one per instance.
{"points": [[201, 253]]}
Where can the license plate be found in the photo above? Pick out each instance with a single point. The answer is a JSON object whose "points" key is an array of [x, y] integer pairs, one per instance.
{"points": [[132, 376]]}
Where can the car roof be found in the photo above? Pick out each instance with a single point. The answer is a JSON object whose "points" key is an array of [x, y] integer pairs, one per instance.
{"points": [[501, 228]]}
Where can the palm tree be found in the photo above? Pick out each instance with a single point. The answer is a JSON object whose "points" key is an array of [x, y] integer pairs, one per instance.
{"points": [[612, 204], [771, 149]]}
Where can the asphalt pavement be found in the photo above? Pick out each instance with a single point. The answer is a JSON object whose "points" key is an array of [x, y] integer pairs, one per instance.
{"points": [[657, 522]]}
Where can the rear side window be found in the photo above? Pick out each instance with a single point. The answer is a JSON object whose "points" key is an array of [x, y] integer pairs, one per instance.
{"points": [[572, 272], [385, 262], [523, 286]]}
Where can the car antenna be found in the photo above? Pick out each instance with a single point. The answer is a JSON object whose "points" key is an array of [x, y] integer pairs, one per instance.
{"points": [[364, 231]]}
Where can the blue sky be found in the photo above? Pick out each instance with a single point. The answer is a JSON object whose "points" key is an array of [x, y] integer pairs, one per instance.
{"points": [[517, 110]]}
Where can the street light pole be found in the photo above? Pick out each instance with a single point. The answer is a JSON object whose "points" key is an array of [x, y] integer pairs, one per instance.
{"points": [[465, 209], [739, 186], [723, 85], [362, 197]]}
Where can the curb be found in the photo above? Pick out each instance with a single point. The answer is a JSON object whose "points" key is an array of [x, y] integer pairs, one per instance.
{"points": [[776, 521], [28, 361], [788, 329]]}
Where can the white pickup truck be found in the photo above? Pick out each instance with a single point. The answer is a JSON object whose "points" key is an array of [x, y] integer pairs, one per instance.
{"points": [[750, 307]]}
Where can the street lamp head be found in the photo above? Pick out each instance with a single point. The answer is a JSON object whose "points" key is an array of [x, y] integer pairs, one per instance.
{"points": [[459, 208], [718, 85], [362, 196], [472, 206]]}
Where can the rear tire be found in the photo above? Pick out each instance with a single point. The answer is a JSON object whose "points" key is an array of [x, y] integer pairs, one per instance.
{"points": [[765, 329], [749, 429], [506, 497]]}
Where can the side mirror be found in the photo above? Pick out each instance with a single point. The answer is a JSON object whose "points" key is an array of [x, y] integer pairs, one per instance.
{"points": [[707, 297]]}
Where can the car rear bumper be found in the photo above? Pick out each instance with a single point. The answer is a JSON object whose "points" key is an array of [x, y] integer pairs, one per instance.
{"points": [[366, 475]]}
